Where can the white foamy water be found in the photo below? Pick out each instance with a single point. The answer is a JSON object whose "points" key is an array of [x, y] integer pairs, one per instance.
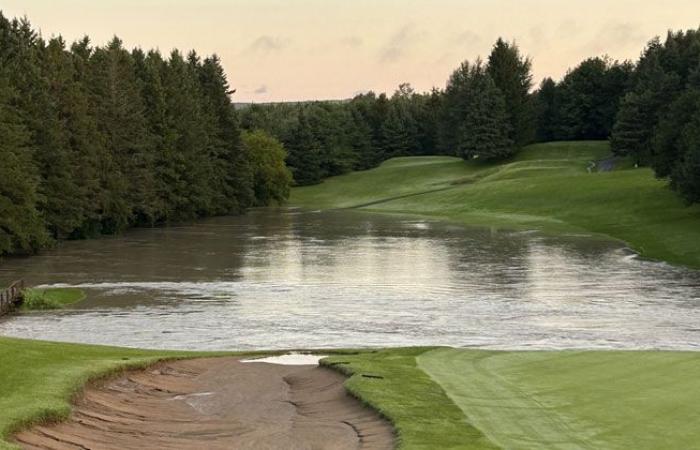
{"points": [[289, 359]]}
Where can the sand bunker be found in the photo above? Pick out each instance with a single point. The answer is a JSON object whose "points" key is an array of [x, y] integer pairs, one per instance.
{"points": [[217, 404]]}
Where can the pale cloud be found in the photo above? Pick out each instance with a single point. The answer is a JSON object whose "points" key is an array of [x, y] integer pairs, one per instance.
{"points": [[401, 43], [616, 36], [568, 27], [352, 41], [315, 49], [268, 44], [537, 35], [261, 90], [466, 39]]}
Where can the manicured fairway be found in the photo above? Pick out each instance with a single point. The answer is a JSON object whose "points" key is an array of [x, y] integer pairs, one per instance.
{"points": [[546, 187], [533, 400], [567, 400]]}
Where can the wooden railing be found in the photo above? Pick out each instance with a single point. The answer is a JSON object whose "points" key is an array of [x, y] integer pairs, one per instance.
{"points": [[10, 297]]}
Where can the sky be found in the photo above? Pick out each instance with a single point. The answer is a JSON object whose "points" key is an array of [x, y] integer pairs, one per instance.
{"points": [[287, 50]]}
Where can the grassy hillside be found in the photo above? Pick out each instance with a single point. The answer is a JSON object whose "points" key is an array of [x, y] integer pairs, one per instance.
{"points": [[532, 400], [546, 187]]}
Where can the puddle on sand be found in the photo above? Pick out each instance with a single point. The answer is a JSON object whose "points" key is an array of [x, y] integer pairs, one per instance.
{"points": [[290, 359]]}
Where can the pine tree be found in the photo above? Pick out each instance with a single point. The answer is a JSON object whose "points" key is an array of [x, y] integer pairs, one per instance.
{"points": [[66, 161], [454, 109], [485, 129], [686, 175], [21, 227], [590, 96], [234, 174], [87, 141], [512, 75], [304, 158], [634, 128], [547, 112], [397, 137], [642, 108], [126, 171]]}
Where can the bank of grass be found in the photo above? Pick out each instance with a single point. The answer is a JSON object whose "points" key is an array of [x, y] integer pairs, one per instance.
{"points": [[546, 187], [474, 399], [47, 299], [391, 382], [38, 379]]}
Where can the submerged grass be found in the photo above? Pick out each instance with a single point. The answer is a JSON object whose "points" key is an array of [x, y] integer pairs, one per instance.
{"points": [[546, 187], [47, 299]]}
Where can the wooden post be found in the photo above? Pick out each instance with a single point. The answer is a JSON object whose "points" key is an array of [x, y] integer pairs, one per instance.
{"points": [[10, 297]]}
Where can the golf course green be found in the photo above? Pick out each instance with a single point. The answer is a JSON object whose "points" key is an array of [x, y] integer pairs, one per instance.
{"points": [[547, 187], [444, 398]]}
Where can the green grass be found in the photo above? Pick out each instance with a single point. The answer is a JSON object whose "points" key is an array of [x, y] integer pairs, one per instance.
{"points": [[55, 298], [546, 187], [425, 418], [475, 400], [575, 400]]}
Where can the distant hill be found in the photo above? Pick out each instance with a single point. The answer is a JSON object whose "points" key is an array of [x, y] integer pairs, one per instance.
{"points": [[244, 105]]}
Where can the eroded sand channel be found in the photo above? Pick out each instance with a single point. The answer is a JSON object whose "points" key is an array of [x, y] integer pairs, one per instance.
{"points": [[219, 403]]}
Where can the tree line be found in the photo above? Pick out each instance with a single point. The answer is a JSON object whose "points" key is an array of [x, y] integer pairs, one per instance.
{"points": [[658, 123], [97, 139], [489, 110]]}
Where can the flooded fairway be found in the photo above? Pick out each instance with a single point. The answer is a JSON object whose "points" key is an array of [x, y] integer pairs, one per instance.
{"points": [[290, 279]]}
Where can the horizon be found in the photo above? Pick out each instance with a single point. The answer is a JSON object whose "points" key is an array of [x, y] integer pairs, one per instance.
{"points": [[274, 51]]}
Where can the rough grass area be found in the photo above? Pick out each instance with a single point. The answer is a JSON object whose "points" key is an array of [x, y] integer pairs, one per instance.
{"points": [[425, 418], [46, 299], [38, 379], [546, 187], [473, 399]]}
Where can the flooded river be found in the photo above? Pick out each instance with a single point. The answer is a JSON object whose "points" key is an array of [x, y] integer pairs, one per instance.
{"points": [[292, 279]]}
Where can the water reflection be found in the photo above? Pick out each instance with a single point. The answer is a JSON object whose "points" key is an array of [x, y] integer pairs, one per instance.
{"points": [[291, 279]]}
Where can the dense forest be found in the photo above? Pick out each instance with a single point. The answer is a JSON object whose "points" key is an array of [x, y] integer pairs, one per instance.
{"points": [[650, 110], [94, 140], [97, 139]]}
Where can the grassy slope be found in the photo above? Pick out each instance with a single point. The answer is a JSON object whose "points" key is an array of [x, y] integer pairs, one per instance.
{"points": [[546, 187], [37, 379], [566, 400]]}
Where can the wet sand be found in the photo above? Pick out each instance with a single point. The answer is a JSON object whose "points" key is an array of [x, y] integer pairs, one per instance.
{"points": [[217, 404]]}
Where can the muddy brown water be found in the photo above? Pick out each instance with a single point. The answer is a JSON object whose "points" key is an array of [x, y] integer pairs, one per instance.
{"points": [[285, 278]]}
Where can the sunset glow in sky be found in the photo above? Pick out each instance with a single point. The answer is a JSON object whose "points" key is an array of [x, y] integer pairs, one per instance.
{"points": [[277, 50]]}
